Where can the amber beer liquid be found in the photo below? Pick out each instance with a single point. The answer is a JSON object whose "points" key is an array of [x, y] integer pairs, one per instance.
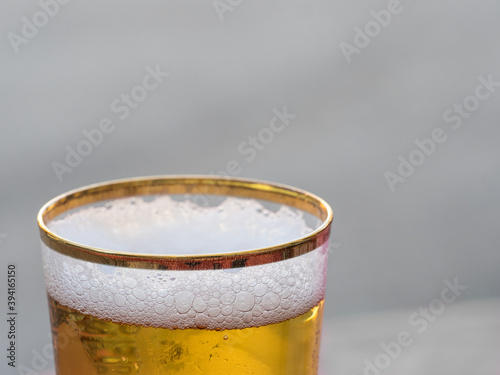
{"points": [[143, 281], [90, 346]]}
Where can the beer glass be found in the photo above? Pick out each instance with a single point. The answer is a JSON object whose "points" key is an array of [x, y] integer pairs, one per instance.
{"points": [[185, 275]]}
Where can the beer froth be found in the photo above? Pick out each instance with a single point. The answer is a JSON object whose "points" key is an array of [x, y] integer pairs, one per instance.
{"points": [[214, 299]]}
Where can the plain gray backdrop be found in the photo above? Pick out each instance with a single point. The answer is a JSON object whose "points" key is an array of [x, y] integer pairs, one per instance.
{"points": [[357, 113]]}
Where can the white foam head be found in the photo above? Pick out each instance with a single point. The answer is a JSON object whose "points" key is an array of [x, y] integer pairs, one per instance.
{"points": [[213, 299]]}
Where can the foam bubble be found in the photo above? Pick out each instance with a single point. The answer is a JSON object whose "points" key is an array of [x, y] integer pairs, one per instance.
{"points": [[212, 299], [167, 226]]}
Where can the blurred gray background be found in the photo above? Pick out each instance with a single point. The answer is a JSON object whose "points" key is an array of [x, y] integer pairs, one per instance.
{"points": [[356, 104]]}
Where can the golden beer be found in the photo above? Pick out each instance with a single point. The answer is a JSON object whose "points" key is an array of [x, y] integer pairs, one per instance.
{"points": [[86, 345], [145, 278]]}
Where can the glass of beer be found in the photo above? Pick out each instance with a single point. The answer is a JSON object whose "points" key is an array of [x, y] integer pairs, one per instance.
{"points": [[185, 275]]}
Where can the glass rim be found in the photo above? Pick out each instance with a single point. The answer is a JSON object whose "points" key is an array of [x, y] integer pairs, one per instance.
{"points": [[187, 184]]}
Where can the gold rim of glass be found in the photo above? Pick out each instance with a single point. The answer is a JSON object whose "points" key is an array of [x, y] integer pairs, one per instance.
{"points": [[196, 185]]}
